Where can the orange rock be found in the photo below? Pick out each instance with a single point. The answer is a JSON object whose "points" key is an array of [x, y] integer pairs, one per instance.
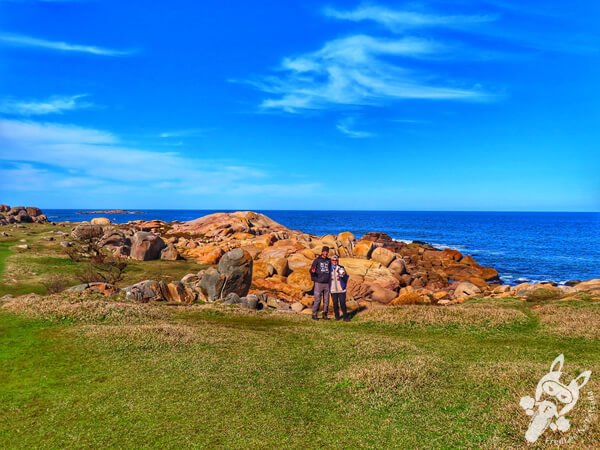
{"points": [[299, 261], [363, 249], [382, 295], [383, 256], [440, 295], [301, 279], [261, 270], [206, 254], [281, 289]]}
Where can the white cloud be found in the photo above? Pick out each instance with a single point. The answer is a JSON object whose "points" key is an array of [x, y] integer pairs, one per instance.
{"points": [[191, 132], [53, 105], [399, 20], [20, 40], [359, 70], [346, 126], [81, 160]]}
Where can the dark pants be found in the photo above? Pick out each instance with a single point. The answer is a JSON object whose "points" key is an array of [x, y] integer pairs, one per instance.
{"points": [[339, 299], [321, 292]]}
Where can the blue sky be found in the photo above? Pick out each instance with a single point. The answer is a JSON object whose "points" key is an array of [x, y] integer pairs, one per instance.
{"points": [[426, 105]]}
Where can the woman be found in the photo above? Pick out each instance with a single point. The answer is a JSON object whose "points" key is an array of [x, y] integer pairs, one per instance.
{"points": [[339, 279]]}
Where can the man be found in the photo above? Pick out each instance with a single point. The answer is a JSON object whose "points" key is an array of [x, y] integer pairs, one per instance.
{"points": [[320, 273], [339, 279]]}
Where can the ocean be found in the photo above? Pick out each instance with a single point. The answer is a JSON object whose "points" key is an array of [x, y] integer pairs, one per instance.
{"points": [[523, 247]]}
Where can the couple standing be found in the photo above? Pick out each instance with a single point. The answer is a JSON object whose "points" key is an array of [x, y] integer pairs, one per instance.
{"points": [[329, 277]]}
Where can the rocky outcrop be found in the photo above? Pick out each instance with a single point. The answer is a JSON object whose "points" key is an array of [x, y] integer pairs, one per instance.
{"points": [[146, 246], [21, 214]]}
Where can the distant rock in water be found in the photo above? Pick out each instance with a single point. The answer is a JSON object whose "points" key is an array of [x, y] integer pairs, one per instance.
{"points": [[21, 214], [110, 211]]}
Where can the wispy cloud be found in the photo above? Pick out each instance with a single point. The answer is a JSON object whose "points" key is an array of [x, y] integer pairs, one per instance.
{"points": [[190, 132], [72, 157], [400, 20], [359, 70], [347, 127], [20, 40], [52, 105]]}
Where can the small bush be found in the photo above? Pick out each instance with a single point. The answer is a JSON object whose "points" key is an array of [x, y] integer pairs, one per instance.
{"points": [[55, 284]]}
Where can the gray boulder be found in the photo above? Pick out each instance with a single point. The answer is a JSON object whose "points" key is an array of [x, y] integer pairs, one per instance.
{"points": [[144, 291], [236, 266]]}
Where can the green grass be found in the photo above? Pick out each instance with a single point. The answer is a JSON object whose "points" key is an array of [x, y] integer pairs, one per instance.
{"points": [[207, 377], [28, 271]]}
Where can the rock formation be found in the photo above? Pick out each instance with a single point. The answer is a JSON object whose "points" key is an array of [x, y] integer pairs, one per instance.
{"points": [[21, 214]]}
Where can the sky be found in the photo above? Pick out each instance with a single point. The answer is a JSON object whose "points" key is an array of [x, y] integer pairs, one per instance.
{"points": [[484, 105]]}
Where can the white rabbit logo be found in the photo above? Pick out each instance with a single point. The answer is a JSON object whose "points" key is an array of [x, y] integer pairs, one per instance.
{"points": [[553, 400]]}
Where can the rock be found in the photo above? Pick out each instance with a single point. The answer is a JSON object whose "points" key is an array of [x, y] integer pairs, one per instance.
{"points": [[440, 295], [466, 289], [250, 302], [236, 267], [84, 232], [22, 247], [297, 307], [397, 267], [4, 208], [280, 288], [589, 285], [211, 284], [363, 249], [100, 221], [190, 278], [219, 226], [443, 302], [382, 295], [262, 270], [23, 217], [383, 256], [207, 254], [232, 299], [146, 246], [357, 289], [66, 244], [298, 261], [410, 298], [177, 292], [301, 279], [280, 265], [144, 291], [169, 253]]}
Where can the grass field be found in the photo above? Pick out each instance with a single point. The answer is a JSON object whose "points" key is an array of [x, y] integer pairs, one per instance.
{"points": [[87, 372], [202, 376]]}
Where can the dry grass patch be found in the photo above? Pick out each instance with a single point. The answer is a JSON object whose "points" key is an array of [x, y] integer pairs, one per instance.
{"points": [[478, 315], [380, 382], [155, 335], [82, 307], [566, 320]]}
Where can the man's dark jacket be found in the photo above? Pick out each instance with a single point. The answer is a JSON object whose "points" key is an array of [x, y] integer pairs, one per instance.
{"points": [[322, 270]]}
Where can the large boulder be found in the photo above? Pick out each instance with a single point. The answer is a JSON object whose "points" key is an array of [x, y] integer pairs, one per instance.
{"points": [[146, 246], [144, 291], [301, 279], [206, 254], [84, 232], [383, 256], [466, 289], [363, 249], [236, 267], [211, 284], [100, 221], [169, 253]]}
